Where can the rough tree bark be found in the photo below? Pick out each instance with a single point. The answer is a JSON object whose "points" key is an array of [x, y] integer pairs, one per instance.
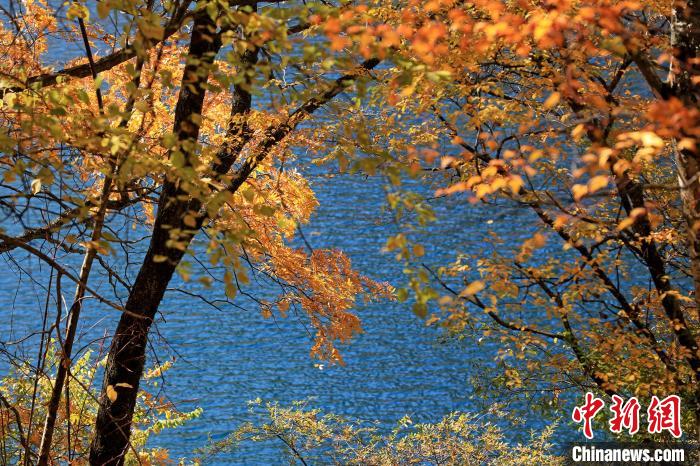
{"points": [[685, 70], [126, 357]]}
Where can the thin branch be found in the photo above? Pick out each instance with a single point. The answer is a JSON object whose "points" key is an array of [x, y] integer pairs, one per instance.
{"points": [[496, 318]]}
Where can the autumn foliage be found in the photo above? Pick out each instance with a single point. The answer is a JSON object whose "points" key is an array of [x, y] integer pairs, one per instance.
{"points": [[194, 121], [580, 116]]}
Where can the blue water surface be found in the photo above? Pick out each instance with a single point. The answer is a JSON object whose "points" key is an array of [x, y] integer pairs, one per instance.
{"points": [[225, 358]]}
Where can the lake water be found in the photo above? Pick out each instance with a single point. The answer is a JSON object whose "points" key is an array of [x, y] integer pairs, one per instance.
{"points": [[229, 357], [396, 367]]}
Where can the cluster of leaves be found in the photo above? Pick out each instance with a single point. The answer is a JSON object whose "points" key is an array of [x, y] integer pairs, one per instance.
{"points": [[61, 143], [187, 124], [308, 436], [557, 111], [23, 401]]}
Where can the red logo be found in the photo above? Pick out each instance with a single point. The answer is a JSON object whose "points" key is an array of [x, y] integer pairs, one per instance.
{"points": [[665, 415], [661, 414], [587, 412], [625, 415]]}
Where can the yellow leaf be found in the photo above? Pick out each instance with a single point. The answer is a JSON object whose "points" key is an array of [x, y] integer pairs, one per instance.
{"points": [[36, 185], [626, 223], [578, 132], [560, 221], [516, 184], [686, 144], [473, 288], [483, 190], [76, 10], [538, 240], [418, 250], [124, 384], [651, 139], [150, 30], [111, 393], [597, 182], [638, 212], [579, 191]]}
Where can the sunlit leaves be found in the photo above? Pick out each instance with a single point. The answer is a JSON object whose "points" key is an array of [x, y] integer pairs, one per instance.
{"points": [[454, 440], [544, 117], [60, 133], [154, 412]]}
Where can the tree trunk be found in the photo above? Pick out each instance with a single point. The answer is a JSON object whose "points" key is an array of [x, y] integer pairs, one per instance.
{"points": [[685, 71], [126, 357], [125, 362], [685, 39]]}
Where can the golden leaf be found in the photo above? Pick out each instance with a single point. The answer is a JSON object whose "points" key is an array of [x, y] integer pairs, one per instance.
{"points": [[579, 191], [597, 182], [473, 288], [626, 223], [552, 100], [111, 393], [36, 185]]}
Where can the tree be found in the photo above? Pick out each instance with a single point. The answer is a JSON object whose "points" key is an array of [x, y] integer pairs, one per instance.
{"points": [[76, 416], [310, 436], [560, 109], [89, 162]]}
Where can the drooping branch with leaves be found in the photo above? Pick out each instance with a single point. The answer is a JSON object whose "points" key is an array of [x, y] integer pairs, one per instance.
{"points": [[573, 124]]}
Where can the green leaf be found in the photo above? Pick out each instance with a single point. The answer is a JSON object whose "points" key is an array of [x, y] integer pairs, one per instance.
{"points": [[230, 290], [402, 295]]}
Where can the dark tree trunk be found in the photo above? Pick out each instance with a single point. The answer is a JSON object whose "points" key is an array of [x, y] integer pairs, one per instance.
{"points": [[685, 39], [126, 358], [125, 362], [685, 70]]}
